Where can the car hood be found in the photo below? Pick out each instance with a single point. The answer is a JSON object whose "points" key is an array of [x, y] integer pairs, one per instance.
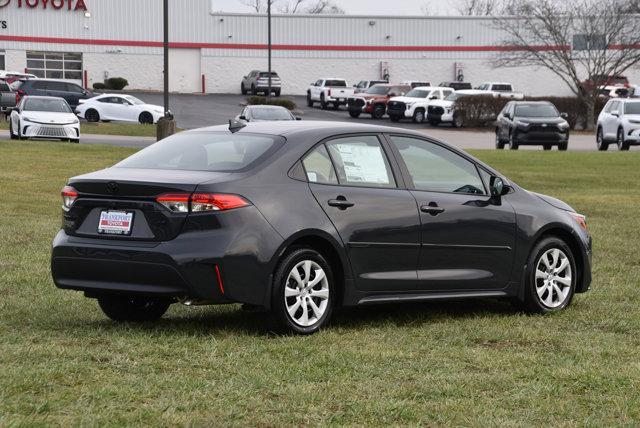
{"points": [[370, 96], [554, 202], [538, 120], [407, 99], [49, 117]]}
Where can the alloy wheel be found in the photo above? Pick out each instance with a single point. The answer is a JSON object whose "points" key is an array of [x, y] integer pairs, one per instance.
{"points": [[306, 293], [553, 278]]}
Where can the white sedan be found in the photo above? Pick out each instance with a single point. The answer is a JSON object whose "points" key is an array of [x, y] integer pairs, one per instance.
{"points": [[44, 117], [118, 107]]}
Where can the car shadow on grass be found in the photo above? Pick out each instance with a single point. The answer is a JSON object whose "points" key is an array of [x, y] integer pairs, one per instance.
{"points": [[232, 320]]}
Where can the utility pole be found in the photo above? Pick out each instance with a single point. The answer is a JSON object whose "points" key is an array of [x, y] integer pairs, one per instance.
{"points": [[269, 43], [166, 124]]}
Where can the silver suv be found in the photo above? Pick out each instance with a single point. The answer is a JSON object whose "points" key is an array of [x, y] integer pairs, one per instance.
{"points": [[258, 81], [619, 122]]}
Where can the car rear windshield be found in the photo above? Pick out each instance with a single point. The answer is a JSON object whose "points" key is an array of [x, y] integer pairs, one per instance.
{"points": [[204, 151], [262, 113], [502, 88], [378, 90], [536, 110], [44, 104], [632, 108], [266, 74], [133, 100], [418, 93], [336, 83]]}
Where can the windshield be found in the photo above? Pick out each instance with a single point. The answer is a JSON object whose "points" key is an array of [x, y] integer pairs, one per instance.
{"points": [[418, 93], [632, 108], [453, 97], [266, 74], [271, 114], [536, 110], [44, 104], [203, 152], [134, 100], [378, 90]]}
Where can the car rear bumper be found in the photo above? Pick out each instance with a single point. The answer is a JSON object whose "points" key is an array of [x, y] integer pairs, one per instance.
{"points": [[35, 130]]}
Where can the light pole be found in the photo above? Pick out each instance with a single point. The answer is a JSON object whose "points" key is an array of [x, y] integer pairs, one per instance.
{"points": [[166, 124], [269, 44]]}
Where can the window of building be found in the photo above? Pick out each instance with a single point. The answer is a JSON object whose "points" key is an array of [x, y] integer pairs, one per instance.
{"points": [[55, 65], [589, 42], [2, 63]]}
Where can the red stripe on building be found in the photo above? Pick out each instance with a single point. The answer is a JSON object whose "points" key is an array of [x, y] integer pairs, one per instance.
{"points": [[277, 47]]}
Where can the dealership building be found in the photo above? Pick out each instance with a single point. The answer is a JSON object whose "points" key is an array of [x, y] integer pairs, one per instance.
{"points": [[89, 40]]}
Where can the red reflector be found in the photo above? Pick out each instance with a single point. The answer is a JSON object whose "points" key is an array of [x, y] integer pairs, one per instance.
{"points": [[219, 276], [173, 197]]}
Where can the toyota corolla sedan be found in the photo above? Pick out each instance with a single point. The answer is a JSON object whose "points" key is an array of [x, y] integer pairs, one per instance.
{"points": [[299, 218], [44, 117]]}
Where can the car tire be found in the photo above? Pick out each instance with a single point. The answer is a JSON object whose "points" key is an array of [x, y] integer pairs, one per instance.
{"points": [[92, 115], [622, 144], [277, 93], [418, 115], [563, 146], [243, 90], [20, 137], [354, 114], [297, 304], [434, 122], [336, 106], [513, 143], [601, 143], [547, 288], [309, 100], [11, 134], [133, 308], [253, 90], [546, 147], [145, 118], [378, 111], [458, 121], [499, 142], [323, 103], [394, 118]]}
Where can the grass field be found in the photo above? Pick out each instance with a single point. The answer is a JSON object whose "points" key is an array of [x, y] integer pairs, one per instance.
{"points": [[111, 128], [475, 363]]}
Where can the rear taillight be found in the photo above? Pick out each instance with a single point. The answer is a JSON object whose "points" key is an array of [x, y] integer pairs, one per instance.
{"points": [[201, 202], [19, 94], [69, 196]]}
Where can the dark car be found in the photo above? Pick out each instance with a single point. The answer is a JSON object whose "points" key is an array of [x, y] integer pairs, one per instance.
{"points": [[532, 123], [8, 98], [70, 92], [263, 113], [299, 218], [374, 100], [456, 85]]}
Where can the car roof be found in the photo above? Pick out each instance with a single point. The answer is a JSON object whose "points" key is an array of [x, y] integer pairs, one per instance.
{"points": [[428, 88], [267, 107], [531, 102], [43, 97]]}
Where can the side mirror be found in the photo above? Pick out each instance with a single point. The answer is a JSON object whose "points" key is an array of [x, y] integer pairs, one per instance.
{"points": [[243, 117], [298, 118], [434, 97], [564, 115], [507, 115], [615, 113], [497, 187]]}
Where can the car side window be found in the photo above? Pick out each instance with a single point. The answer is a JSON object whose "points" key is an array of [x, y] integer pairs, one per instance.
{"points": [[434, 168], [318, 166], [319, 83], [70, 87], [614, 107], [39, 85], [446, 93], [361, 161], [105, 100], [57, 86]]}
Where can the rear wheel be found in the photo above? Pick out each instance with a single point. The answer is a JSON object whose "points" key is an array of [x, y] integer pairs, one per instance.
{"points": [[253, 90], [550, 277], [378, 111], [418, 115], [622, 144], [309, 100], [277, 92], [92, 115], [243, 90], [323, 103], [354, 114], [303, 292], [458, 121], [146, 118], [602, 144], [499, 142], [11, 134], [128, 308]]}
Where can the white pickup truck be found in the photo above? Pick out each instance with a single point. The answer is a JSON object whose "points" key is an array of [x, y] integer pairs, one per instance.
{"points": [[500, 89], [329, 91], [414, 104]]}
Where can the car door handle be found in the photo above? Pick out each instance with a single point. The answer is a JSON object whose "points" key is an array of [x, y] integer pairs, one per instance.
{"points": [[432, 209], [340, 202]]}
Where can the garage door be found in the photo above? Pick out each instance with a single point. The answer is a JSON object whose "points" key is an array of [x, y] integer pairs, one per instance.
{"points": [[184, 70], [56, 65]]}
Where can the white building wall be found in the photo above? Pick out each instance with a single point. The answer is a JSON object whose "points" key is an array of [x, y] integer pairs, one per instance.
{"points": [[143, 71], [15, 60]]}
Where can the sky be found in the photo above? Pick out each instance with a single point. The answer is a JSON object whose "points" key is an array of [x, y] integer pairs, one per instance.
{"points": [[364, 7]]}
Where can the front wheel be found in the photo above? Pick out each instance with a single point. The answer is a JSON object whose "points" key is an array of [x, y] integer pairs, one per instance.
{"points": [[378, 111], [277, 92], [138, 309], [146, 118], [418, 116], [563, 146], [354, 114], [550, 277], [622, 144], [303, 292], [11, 134], [243, 90], [92, 115], [499, 142], [394, 118], [513, 143], [309, 100], [546, 147], [602, 144], [323, 103]]}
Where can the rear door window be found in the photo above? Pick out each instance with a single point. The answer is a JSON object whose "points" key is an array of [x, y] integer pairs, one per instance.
{"points": [[361, 161], [318, 166], [57, 86]]}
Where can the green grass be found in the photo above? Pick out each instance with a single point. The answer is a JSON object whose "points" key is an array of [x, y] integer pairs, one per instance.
{"points": [[475, 363], [111, 128]]}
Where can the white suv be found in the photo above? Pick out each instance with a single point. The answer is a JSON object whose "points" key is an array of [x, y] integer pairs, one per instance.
{"points": [[619, 122], [414, 104]]}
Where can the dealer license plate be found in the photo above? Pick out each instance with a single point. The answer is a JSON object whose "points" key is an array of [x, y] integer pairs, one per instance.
{"points": [[115, 222]]}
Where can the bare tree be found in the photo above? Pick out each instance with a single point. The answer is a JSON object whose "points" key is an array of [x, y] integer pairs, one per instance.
{"points": [[480, 7], [581, 41], [295, 6]]}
